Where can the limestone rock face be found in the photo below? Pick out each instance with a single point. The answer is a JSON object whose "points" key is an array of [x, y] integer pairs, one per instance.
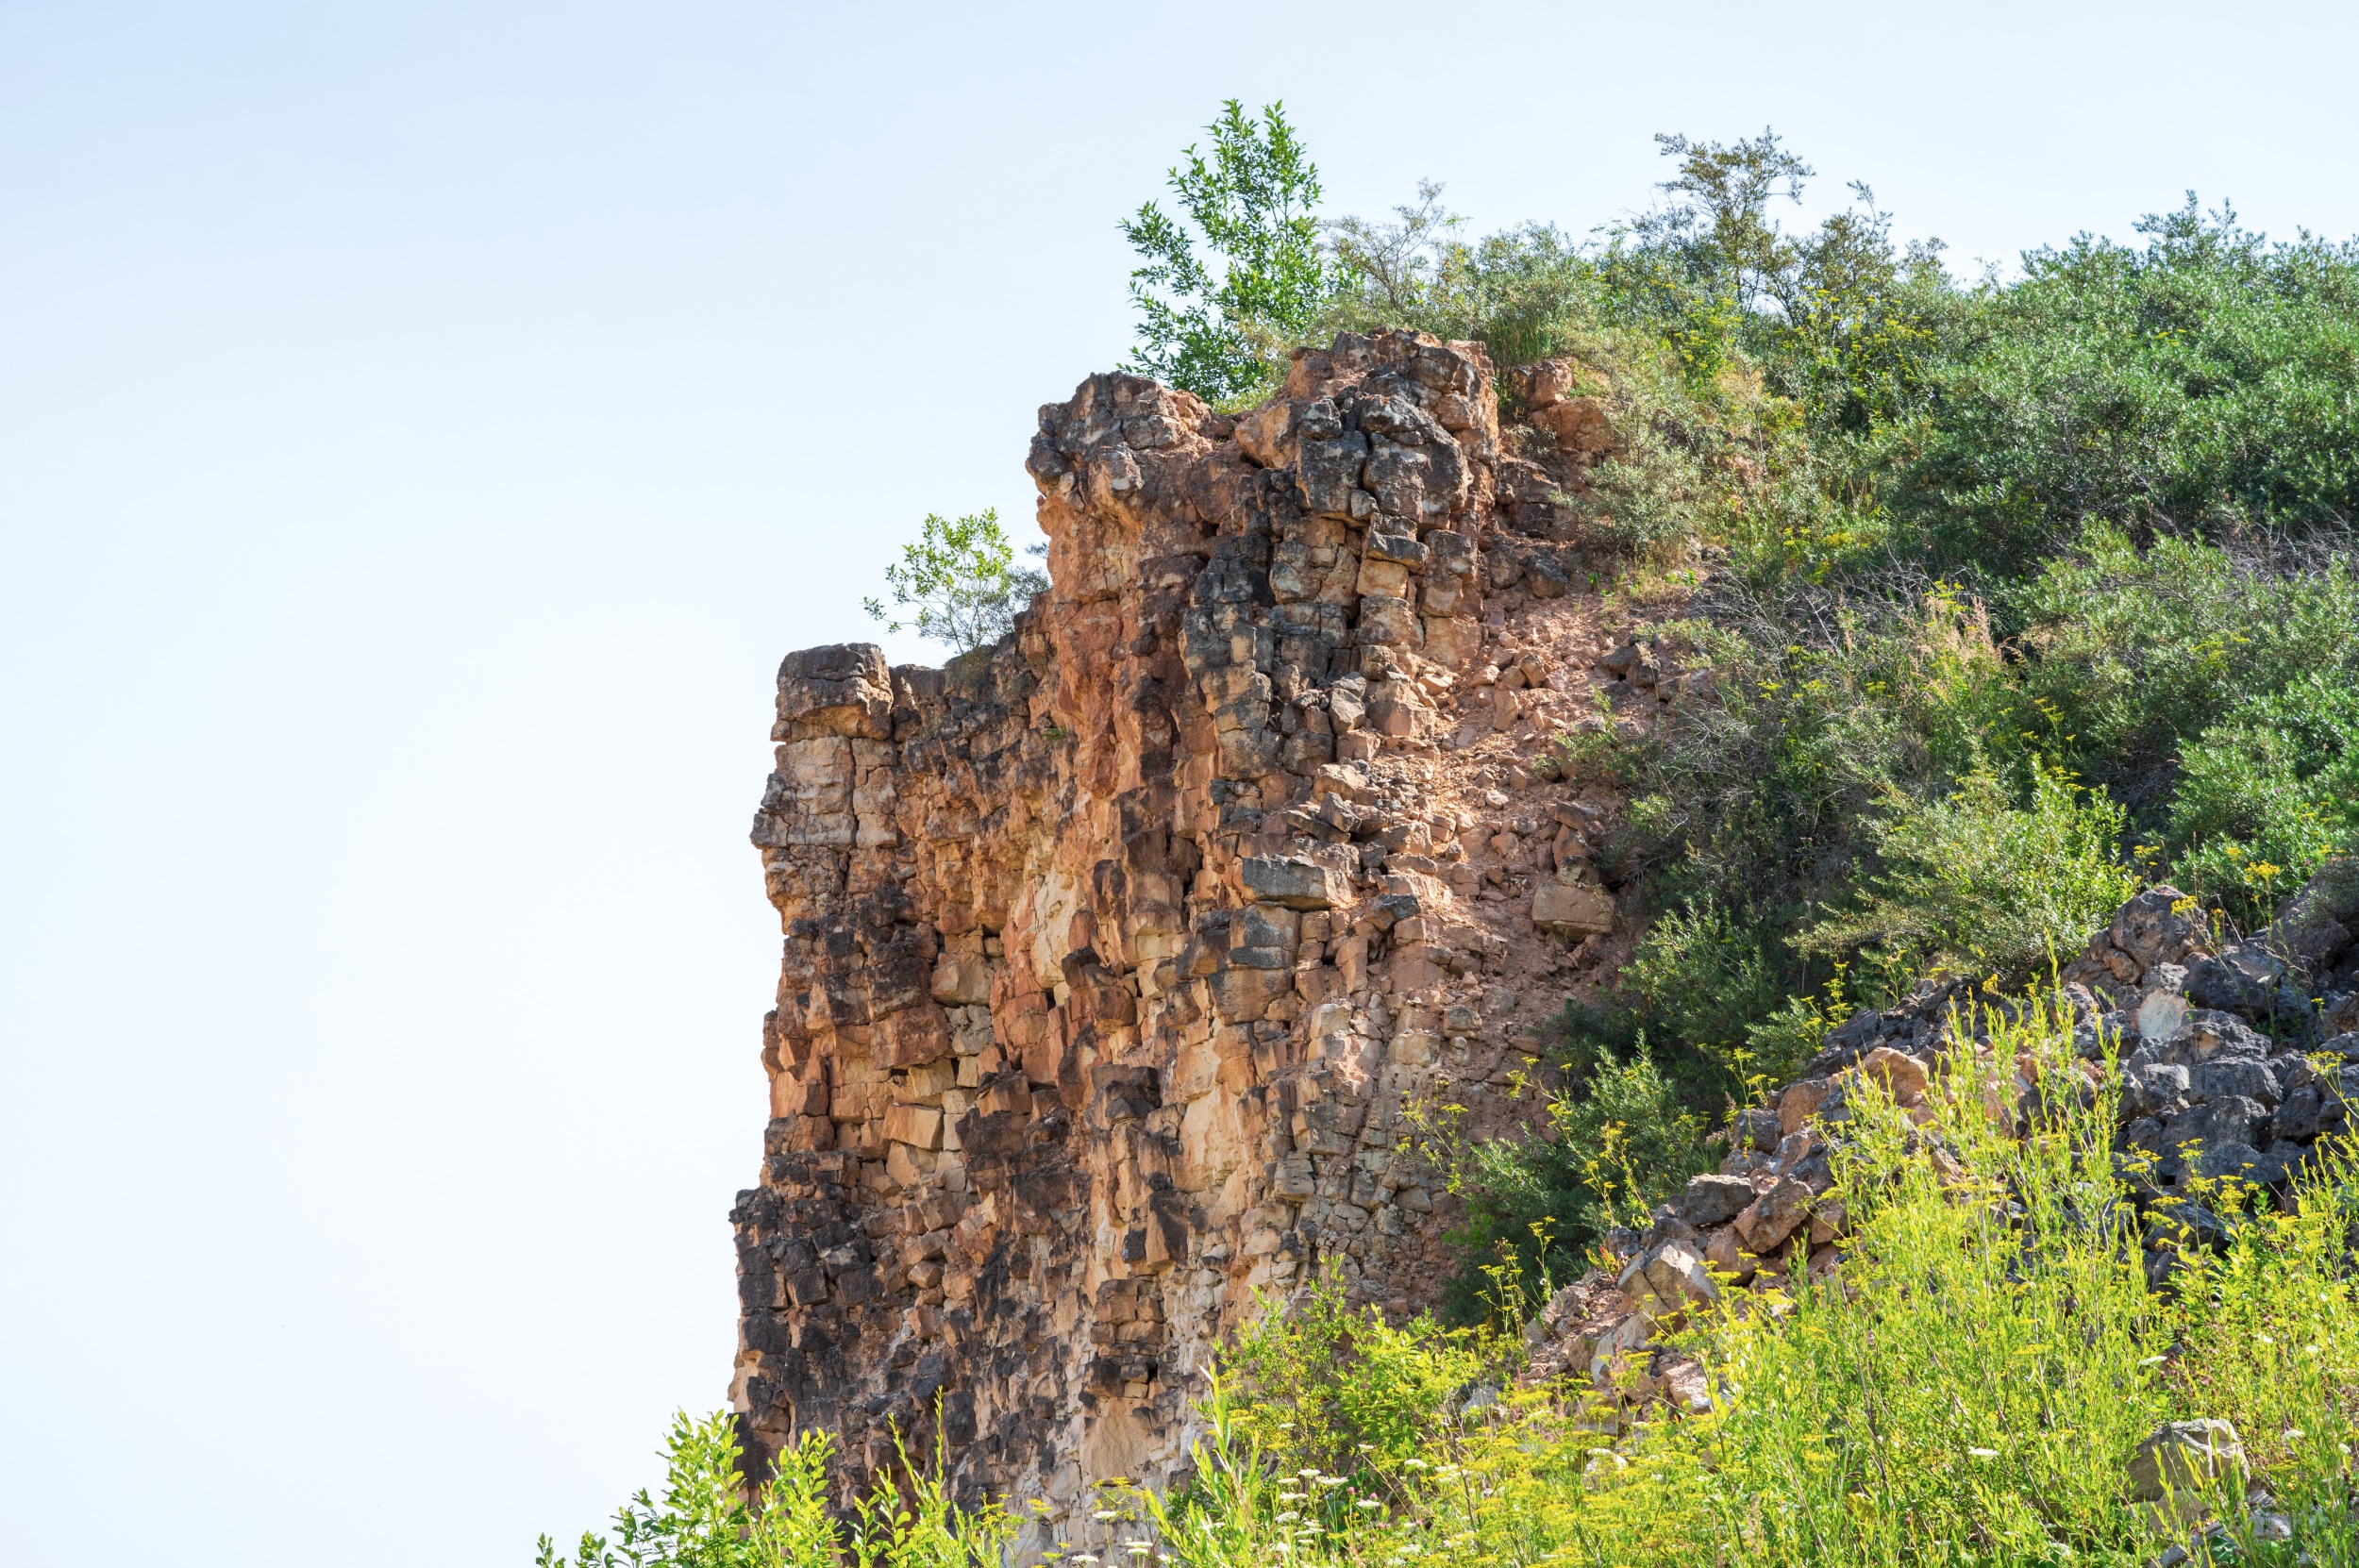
{"points": [[1115, 951]]}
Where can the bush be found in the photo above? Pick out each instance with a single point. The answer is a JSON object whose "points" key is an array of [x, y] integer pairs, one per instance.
{"points": [[1525, 294], [2269, 795], [2200, 384], [959, 582], [1702, 974], [2129, 652], [1977, 885], [1343, 1390], [1621, 1138], [705, 1520]]}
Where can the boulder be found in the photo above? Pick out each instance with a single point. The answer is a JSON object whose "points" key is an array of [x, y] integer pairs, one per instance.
{"points": [[2184, 1455], [1901, 1075], [1571, 909], [1711, 1200]]}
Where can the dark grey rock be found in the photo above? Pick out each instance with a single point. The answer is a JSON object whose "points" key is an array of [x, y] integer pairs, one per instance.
{"points": [[1711, 1200]]}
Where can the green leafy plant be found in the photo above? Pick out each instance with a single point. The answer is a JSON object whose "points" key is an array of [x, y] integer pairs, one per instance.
{"points": [[1621, 1137], [958, 583], [1238, 276], [1977, 884], [713, 1515], [2199, 383], [1340, 1388], [1968, 1388], [2269, 795]]}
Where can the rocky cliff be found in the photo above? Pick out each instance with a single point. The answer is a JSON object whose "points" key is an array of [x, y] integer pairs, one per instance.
{"points": [[1114, 953]]}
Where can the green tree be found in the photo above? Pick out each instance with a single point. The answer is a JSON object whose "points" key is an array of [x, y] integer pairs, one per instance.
{"points": [[958, 583], [1226, 287], [1719, 215]]}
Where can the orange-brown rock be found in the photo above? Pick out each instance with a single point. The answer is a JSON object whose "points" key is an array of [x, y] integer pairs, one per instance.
{"points": [[1115, 951]]}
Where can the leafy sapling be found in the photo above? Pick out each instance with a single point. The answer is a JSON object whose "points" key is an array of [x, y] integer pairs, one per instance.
{"points": [[1224, 288], [958, 583]]}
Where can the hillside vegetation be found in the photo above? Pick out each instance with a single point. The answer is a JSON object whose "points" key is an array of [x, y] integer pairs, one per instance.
{"points": [[2015, 596]]}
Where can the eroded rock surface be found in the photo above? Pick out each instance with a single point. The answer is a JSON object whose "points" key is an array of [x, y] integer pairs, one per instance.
{"points": [[1114, 954]]}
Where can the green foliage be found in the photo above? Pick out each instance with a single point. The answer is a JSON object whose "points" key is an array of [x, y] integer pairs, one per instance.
{"points": [[2134, 652], [1621, 1138], [1717, 222], [1529, 294], [1226, 288], [959, 582], [1756, 797], [1845, 322], [1702, 974], [2269, 795], [705, 1520], [2137, 458], [1979, 885], [1968, 1388], [1344, 1390], [2201, 383]]}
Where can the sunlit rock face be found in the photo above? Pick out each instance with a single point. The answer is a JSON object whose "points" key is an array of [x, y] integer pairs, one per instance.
{"points": [[1113, 953]]}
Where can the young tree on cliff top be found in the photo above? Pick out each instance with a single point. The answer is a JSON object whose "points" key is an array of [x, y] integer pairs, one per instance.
{"points": [[961, 582], [1220, 301]]}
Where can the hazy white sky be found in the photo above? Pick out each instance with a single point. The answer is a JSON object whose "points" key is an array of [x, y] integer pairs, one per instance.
{"points": [[422, 427]]}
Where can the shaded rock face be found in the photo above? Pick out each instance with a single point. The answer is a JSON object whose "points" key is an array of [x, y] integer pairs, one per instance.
{"points": [[1115, 951]]}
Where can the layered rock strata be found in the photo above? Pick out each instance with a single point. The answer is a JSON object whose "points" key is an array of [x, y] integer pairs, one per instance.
{"points": [[1117, 954]]}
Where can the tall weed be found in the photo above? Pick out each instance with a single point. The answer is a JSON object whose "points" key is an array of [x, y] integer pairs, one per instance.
{"points": [[707, 1520]]}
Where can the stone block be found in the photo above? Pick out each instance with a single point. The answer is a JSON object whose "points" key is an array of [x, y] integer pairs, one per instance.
{"points": [[1384, 545], [1571, 910], [1774, 1216], [1383, 579], [1711, 1200], [1581, 425], [2184, 1455], [844, 689], [1293, 882], [1267, 434], [918, 1125], [1388, 621], [1800, 1103], [1451, 641], [961, 980], [1901, 1075]]}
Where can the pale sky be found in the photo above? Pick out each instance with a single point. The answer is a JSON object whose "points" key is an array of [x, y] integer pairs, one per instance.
{"points": [[424, 427]]}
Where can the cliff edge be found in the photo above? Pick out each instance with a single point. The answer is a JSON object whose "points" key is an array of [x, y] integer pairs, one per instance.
{"points": [[1115, 951]]}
